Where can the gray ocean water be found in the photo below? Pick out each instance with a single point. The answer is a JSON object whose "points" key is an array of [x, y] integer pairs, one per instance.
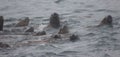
{"points": [[81, 15]]}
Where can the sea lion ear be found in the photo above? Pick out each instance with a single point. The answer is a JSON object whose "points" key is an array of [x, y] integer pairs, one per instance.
{"points": [[1, 22], [107, 21]]}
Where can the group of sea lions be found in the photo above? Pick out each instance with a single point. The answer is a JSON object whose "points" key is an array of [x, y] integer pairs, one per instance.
{"points": [[54, 23]]}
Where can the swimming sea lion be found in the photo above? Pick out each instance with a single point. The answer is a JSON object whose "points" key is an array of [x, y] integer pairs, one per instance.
{"points": [[107, 21], [24, 22]]}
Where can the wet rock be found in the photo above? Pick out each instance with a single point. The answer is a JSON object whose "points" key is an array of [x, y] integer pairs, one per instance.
{"points": [[54, 20], [63, 30], [31, 29], [24, 22], [40, 33], [106, 21], [74, 38], [1, 23], [2, 45]]}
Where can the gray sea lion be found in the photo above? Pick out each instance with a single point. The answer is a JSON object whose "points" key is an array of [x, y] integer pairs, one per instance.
{"points": [[1, 23], [24, 22], [54, 20]]}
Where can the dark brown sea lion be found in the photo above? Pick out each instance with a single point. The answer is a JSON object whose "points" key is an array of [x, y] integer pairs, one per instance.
{"points": [[1, 23], [74, 38], [54, 20], [108, 20]]}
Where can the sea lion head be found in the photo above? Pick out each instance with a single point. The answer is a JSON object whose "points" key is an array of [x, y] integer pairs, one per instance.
{"points": [[54, 20]]}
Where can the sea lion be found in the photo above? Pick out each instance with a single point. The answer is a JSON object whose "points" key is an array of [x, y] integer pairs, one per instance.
{"points": [[24, 22], [2, 45], [1, 23], [108, 20], [40, 33], [31, 29], [56, 36], [58, 1], [54, 20], [74, 38], [63, 30]]}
